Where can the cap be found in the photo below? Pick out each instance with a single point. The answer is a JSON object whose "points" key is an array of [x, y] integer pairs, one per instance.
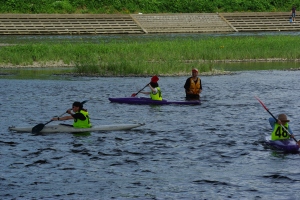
{"points": [[283, 118], [195, 70], [154, 79]]}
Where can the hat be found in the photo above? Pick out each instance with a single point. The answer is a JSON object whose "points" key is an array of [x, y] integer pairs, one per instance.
{"points": [[154, 79], [195, 70], [77, 104], [283, 118]]}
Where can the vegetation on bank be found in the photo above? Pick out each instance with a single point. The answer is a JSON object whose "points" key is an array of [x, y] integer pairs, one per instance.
{"points": [[164, 57], [144, 6]]}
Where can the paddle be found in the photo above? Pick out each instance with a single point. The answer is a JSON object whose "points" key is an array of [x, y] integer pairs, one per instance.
{"points": [[134, 94], [263, 105], [36, 129]]}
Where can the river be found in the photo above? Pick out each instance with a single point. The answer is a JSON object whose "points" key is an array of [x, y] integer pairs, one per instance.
{"points": [[210, 151]]}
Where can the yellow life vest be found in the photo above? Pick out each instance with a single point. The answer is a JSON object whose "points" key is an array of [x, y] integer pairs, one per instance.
{"points": [[156, 96], [279, 133], [82, 123], [194, 87]]}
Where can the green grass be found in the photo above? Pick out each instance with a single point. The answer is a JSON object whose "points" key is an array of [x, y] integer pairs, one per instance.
{"points": [[163, 57]]}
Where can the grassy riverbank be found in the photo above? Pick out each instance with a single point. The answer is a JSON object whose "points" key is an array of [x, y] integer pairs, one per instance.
{"points": [[163, 57]]}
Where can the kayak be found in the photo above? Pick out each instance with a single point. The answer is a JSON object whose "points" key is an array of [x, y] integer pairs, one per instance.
{"points": [[149, 101], [289, 145], [63, 128]]}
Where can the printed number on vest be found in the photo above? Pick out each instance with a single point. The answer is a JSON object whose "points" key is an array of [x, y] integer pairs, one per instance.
{"points": [[280, 132]]}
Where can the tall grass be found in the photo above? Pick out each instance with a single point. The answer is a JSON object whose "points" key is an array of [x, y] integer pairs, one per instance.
{"points": [[153, 57], [144, 6]]}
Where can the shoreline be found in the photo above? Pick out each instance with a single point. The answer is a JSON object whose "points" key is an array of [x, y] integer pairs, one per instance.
{"points": [[213, 72], [60, 63]]}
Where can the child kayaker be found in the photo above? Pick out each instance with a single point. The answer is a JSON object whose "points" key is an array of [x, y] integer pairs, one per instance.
{"points": [[155, 92], [80, 116], [280, 133]]}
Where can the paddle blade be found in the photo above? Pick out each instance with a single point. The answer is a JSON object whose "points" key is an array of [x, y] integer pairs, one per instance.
{"points": [[133, 95], [36, 129]]}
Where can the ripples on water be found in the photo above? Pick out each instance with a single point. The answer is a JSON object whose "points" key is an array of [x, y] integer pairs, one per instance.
{"points": [[211, 151]]}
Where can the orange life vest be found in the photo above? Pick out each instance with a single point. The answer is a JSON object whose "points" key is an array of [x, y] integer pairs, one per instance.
{"points": [[194, 87]]}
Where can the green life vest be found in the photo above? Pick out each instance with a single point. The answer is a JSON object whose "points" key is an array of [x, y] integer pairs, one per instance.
{"points": [[279, 133], [82, 123], [156, 96]]}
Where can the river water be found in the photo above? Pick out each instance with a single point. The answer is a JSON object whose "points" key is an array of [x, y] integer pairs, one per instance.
{"points": [[210, 151]]}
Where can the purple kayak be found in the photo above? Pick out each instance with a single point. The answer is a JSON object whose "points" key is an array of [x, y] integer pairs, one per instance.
{"points": [[149, 101], [288, 146]]}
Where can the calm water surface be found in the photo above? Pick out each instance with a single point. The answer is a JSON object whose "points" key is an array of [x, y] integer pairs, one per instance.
{"points": [[211, 151]]}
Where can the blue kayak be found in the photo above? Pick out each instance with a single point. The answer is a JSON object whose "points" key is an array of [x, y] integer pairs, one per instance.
{"points": [[288, 146], [149, 101]]}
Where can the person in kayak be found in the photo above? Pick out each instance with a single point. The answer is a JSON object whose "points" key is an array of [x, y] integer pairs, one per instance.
{"points": [[155, 92], [80, 116], [193, 86], [279, 133]]}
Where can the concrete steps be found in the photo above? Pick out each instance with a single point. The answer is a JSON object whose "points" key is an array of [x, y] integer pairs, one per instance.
{"points": [[182, 23], [32, 24], [67, 24], [261, 21]]}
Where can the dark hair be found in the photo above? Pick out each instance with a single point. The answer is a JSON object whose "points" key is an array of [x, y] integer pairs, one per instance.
{"points": [[154, 85], [78, 104]]}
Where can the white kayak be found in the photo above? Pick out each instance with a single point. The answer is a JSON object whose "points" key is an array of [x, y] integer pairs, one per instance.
{"points": [[61, 128]]}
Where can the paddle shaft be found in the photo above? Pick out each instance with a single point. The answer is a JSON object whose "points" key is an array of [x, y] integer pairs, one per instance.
{"points": [[141, 89], [263, 105]]}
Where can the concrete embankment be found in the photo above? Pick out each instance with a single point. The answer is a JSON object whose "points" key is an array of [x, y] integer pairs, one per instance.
{"points": [[70, 24]]}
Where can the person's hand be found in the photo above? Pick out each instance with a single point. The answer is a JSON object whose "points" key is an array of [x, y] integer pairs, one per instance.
{"points": [[292, 136], [54, 118], [69, 111]]}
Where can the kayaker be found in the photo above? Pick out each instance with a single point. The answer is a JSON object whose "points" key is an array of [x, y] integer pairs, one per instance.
{"points": [[278, 132], [193, 86], [80, 116], [155, 93]]}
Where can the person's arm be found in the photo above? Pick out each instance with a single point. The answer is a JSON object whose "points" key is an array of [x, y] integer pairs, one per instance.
{"points": [[145, 92], [272, 122], [290, 131], [62, 118], [79, 116], [200, 86], [187, 84], [154, 90]]}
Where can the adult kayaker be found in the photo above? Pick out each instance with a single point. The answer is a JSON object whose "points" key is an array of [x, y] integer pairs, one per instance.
{"points": [[193, 86], [80, 116], [155, 92], [278, 132]]}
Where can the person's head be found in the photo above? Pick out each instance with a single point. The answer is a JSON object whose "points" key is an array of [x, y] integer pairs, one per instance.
{"points": [[194, 72], [153, 82], [283, 118], [77, 106]]}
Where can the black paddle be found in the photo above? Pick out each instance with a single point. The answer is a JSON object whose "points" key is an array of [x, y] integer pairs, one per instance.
{"points": [[263, 105], [36, 129], [134, 94]]}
